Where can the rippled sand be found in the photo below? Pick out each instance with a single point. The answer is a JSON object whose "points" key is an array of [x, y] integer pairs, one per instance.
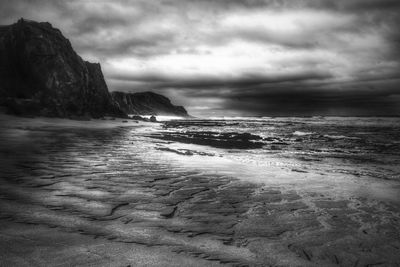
{"points": [[102, 193]]}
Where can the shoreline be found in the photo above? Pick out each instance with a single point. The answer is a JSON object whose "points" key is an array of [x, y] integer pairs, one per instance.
{"points": [[9, 121]]}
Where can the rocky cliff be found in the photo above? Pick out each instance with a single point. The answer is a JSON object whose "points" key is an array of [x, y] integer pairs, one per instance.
{"points": [[41, 74], [147, 103]]}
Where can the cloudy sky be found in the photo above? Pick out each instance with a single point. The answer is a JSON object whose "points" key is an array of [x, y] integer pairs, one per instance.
{"points": [[239, 57]]}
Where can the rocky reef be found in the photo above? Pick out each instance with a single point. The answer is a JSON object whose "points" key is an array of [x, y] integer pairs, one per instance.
{"points": [[41, 74], [146, 103], [229, 140]]}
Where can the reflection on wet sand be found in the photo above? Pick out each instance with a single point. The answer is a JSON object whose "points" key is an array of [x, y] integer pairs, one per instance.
{"points": [[107, 192]]}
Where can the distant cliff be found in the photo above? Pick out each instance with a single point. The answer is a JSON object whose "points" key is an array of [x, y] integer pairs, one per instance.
{"points": [[40, 74], [147, 103]]}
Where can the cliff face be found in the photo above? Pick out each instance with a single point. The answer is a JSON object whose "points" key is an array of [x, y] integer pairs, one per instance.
{"points": [[147, 103], [41, 74]]}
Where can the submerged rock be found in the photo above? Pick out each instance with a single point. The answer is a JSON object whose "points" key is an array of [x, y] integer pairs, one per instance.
{"points": [[41, 74]]}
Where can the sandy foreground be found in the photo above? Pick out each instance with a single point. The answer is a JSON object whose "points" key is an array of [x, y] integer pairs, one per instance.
{"points": [[95, 193]]}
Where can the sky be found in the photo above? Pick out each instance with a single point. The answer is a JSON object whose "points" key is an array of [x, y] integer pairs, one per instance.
{"points": [[238, 57]]}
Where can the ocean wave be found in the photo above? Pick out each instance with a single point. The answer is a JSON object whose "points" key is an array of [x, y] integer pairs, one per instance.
{"points": [[185, 152], [300, 133], [340, 137]]}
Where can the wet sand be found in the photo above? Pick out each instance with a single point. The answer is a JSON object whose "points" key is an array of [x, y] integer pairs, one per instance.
{"points": [[96, 194]]}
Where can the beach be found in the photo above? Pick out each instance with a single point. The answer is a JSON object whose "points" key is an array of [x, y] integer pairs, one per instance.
{"points": [[240, 192]]}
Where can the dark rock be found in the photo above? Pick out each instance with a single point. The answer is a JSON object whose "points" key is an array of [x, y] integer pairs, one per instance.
{"points": [[169, 212], [153, 119], [147, 103], [229, 140], [41, 74]]}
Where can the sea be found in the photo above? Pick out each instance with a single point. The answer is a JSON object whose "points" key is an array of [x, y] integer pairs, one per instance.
{"points": [[357, 153]]}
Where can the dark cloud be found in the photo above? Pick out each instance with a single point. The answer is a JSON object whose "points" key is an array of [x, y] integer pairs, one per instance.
{"points": [[96, 23], [357, 5], [363, 99], [134, 46], [317, 103], [349, 5], [164, 81]]}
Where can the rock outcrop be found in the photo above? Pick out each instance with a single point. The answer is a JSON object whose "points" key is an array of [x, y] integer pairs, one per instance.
{"points": [[147, 103], [41, 74]]}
